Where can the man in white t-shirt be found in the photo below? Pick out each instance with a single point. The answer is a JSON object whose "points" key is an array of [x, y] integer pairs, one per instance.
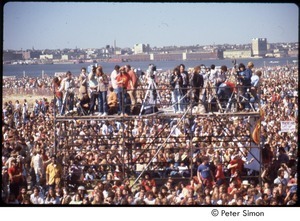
{"points": [[113, 78], [37, 165]]}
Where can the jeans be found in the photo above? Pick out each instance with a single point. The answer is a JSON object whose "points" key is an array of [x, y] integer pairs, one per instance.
{"points": [[68, 100], [121, 99], [176, 100], [94, 96], [102, 102], [58, 103]]}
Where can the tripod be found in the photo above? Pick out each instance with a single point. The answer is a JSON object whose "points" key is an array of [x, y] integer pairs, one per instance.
{"points": [[211, 94], [237, 99], [153, 95]]}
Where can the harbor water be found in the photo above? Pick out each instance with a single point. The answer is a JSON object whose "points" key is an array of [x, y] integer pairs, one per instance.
{"points": [[40, 70]]}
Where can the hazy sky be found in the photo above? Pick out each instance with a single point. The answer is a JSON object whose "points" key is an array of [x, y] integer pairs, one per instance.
{"points": [[58, 25]]}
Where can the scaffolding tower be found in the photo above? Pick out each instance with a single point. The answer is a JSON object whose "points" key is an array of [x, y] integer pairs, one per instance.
{"points": [[122, 154]]}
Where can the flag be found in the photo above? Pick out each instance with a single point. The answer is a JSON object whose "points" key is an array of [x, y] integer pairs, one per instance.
{"points": [[256, 131]]}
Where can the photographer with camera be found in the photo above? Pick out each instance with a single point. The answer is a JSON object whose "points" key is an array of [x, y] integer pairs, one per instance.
{"points": [[150, 73], [150, 78], [244, 80], [68, 88]]}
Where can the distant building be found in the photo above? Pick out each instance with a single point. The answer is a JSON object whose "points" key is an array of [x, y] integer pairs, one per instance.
{"points": [[259, 47], [11, 55], [136, 57], [26, 55], [200, 56], [168, 57], [293, 53], [65, 57], [237, 54], [141, 48], [46, 56]]}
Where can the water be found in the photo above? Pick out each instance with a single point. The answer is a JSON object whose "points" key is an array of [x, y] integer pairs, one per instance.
{"points": [[50, 69]]}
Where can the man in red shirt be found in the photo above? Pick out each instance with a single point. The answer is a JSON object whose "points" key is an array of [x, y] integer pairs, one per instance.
{"points": [[132, 85], [123, 81], [219, 173], [236, 166], [15, 177]]}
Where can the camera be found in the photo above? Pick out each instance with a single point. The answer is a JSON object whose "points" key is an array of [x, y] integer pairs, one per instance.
{"points": [[151, 70]]}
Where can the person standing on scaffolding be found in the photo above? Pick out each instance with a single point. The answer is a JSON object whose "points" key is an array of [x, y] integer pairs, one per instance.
{"points": [[132, 87], [83, 84], [93, 86], [176, 83], [102, 90], [247, 84], [68, 88], [255, 88], [58, 94], [123, 80], [185, 85], [150, 77], [197, 84]]}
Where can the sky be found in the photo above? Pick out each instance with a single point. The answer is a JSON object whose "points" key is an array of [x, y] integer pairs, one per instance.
{"points": [[59, 25]]}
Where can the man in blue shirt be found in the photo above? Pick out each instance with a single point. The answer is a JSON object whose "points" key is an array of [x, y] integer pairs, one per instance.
{"points": [[204, 174]]}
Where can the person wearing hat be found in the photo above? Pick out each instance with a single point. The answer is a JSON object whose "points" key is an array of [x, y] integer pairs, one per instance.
{"points": [[80, 194], [245, 184]]}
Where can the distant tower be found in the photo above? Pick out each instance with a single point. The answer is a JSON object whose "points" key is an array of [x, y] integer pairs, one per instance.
{"points": [[259, 47], [115, 46], [141, 48]]}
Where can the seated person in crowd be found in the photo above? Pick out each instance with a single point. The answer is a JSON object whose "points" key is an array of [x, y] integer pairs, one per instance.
{"points": [[112, 101]]}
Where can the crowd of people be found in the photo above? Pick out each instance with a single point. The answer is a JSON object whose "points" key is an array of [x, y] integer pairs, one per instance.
{"points": [[158, 160]]}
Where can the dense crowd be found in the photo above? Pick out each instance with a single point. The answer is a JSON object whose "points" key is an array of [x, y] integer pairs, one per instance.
{"points": [[159, 160]]}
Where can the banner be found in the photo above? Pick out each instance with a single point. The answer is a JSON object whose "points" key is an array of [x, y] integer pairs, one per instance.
{"points": [[288, 126]]}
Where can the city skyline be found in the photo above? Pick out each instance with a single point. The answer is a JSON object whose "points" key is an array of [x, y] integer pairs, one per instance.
{"points": [[54, 25]]}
